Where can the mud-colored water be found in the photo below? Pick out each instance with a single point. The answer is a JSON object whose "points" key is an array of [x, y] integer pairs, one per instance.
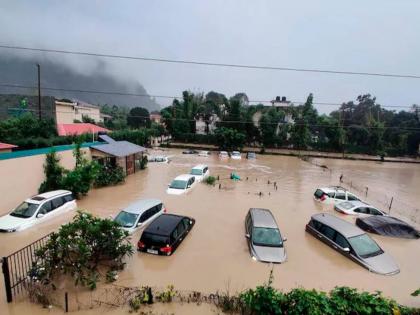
{"points": [[215, 254]]}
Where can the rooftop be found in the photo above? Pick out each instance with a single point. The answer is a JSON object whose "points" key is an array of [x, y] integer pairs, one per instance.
{"points": [[78, 129], [184, 177], [164, 224], [50, 194], [4, 146], [142, 205], [263, 218], [340, 225], [119, 148]]}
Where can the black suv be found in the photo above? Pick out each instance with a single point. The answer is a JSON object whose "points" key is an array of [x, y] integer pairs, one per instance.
{"points": [[164, 234]]}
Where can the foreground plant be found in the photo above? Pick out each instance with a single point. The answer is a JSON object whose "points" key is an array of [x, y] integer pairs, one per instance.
{"points": [[85, 249]]}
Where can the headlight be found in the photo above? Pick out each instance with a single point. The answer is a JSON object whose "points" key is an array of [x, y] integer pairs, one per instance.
{"points": [[254, 258]]}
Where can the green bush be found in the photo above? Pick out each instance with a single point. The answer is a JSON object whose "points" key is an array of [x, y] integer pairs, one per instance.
{"points": [[108, 176], [53, 173], [210, 180], [143, 162], [79, 249]]}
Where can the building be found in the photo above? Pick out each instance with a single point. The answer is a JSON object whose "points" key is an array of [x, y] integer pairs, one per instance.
{"points": [[5, 147], [156, 117], [67, 112], [281, 102], [118, 153], [203, 127], [78, 129]]}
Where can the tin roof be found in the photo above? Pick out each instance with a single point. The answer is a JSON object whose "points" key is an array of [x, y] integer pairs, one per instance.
{"points": [[119, 148], [78, 129], [7, 146]]}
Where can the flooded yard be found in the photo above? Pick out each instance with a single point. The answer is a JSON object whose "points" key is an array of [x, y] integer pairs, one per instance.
{"points": [[215, 255]]}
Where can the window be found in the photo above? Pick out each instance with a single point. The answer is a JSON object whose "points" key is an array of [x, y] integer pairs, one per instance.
{"points": [[248, 224], [145, 216], [374, 211], [341, 241], [180, 228], [68, 198], [364, 246], [266, 237], [57, 202], [175, 234], [341, 196], [46, 207], [126, 219], [316, 225], [327, 232], [363, 210], [25, 210], [205, 170], [186, 223], [351, 197]]}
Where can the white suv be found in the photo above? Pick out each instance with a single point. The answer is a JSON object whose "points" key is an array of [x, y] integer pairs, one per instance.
{"points": [[38, 209], [200, 172], [334, 194]]}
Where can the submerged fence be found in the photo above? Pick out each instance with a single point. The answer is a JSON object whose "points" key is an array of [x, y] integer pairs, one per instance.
{"points": [[16, 267]]}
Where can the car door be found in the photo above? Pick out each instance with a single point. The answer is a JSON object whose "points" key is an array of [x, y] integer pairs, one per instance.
{"points": [[328, 234], [342, 244], [374, 211], [144, 217], [362, 211], [180, 232], [43, 211], [155, 212], [339, 196], [351, 197]]}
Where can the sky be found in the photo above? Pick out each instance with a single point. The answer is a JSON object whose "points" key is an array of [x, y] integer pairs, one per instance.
{"points": [[359, 35]]}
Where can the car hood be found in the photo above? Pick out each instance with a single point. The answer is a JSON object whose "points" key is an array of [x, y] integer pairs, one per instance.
{"points": [[269, 254], [9, 222], [383, 264], [173, 191]]}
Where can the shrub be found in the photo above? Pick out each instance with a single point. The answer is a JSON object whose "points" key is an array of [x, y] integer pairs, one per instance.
{"points": [[53, 173], [108, 176], [79, 248], [210, 180], [143, 162]]}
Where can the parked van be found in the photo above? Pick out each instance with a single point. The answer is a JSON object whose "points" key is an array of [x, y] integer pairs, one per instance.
{"points": [[38, 209], [200, 172], [181, 184], [139, 214]]}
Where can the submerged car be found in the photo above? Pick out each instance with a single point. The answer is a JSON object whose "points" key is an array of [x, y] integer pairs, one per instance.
{"points": [[236, 155], [204, 153], [158, 159], [164, 234], [189, 151], [251, 155], [181, 184], [139, 214], [223, 155], [264, 238], [334, 194], [358, 208], [351, 242], [200, 172], [38, 209], [388, 226]]}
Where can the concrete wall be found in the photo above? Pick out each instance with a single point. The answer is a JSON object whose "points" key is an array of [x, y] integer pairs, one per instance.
{"points": [[67, 114], [20, 177]]}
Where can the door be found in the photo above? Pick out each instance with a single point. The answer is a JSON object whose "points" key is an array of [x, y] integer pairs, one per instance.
{"points": [[130, 164]]}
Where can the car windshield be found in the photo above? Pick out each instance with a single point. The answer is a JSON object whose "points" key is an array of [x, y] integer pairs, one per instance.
{"points": [[178, 184], [364, 246], [235, 153], [251, 154], [126, 219], [154, 239], [196, 171], [346, 205], [266, 237], [25, 210]]}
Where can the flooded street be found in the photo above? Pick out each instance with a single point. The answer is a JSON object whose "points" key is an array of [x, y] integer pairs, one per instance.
{"points": [[215, 255]]}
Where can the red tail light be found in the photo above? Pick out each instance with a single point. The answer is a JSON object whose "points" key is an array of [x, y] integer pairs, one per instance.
{"points": [[140, 245], [167, 249], [164, 210]]}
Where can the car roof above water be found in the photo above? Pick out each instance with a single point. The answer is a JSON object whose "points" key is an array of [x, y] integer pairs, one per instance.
{"points": [[142, 205], [199, 167], [48, 195], [345, 228], [353, 203], [184, 177], [164, 224], [263, 218]]}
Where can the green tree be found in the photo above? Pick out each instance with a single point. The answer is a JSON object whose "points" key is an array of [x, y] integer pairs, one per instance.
{"points": [[53, 173], [229, 139], [138, 117]]}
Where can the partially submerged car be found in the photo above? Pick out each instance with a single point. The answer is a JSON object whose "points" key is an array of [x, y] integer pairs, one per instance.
{"points": [[223, 155], [181, 184], [200, 172], [263, 236], [204, 153], [388, 226], [251, 155], [158, 159], [334, 194], [351, 242], [189, 151], [358, 208], [38, 209], [235, 155], [139, 214], [164, 234]]}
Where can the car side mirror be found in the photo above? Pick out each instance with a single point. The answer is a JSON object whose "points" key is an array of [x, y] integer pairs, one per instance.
{"points": [[138, 224], [188, 186], [284, 239], [247, 236], [39, 215], [346, 249]]}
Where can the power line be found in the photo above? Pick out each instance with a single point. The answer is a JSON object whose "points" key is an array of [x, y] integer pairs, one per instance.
{"points": [[167, 96], [214, 64]]}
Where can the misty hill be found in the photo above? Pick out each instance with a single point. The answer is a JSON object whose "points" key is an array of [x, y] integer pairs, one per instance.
{"points": [[21, 71]]}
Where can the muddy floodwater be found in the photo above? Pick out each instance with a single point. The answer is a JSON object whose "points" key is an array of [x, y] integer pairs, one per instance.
{"points": [[215, 255]]}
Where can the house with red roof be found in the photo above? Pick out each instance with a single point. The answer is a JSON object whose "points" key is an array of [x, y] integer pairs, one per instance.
{"points": [[77, 129], [5, 147]]}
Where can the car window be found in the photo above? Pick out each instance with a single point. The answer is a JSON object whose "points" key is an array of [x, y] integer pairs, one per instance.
{"points": [[57, 202], [46, 207], [181, 228], [249, 224], [364, 210], [341, 196], [327, 232], [374, 211], [316, 225], [186, 222], [145, 216], [351, 197], [331, 194], [174, 234], [341, 241], [205, 170], [68, 198]]}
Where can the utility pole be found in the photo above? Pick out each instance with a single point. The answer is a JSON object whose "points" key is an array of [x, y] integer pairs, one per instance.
{"points": [[39, 91]]}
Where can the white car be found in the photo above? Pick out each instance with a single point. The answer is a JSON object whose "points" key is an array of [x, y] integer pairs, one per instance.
{"points": [[236, 155], [223, 155], [200, 172], [181, 184], [204, 153], [38, 209], [333, 195], [358, 208], [159, 159], [139, 214]]}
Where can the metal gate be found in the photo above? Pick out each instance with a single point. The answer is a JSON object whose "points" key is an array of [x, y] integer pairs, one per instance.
{"points": [[17, 265]]}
